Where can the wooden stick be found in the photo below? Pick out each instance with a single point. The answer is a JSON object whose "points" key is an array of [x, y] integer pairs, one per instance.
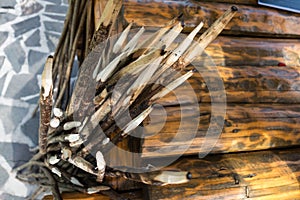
{"points": [[45, 104], [54, 185], [89, 27], [70, 63]]}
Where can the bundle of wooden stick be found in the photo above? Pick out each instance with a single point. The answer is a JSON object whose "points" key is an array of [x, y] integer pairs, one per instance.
{"points": [[76, 133]]}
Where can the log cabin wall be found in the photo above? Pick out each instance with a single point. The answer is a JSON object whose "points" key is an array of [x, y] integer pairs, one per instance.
{"points": [[257, 57], [258, 60]]}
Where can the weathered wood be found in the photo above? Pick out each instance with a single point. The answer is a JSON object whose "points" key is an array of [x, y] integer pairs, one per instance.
{"points": [[118, 158], [247, 127], [45, 104], [244, 84], [251, 20], [256, 175]]}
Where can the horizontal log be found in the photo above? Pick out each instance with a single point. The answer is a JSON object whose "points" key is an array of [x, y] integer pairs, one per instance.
{"points": [[76, 195], [233, 111], [244, 127], [260, 175], [245, 84], [105, 195], [248, 51], [243, 51], [244, 2], [250, 20]]}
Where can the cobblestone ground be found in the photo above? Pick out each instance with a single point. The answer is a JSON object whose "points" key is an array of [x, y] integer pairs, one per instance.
{"points": [[29, 31]]}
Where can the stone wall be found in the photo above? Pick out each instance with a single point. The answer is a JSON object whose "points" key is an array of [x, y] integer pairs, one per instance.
{"points": [[29, 32]]}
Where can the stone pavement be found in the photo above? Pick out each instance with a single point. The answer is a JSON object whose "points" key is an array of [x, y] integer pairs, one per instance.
{"points": [[29, 32]]}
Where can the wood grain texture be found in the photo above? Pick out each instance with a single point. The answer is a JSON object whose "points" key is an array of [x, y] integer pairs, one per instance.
{"points": [[247, 127], [240, 84], [248, 51], [256, 175], [250, 20], [243, 51], [105, 195], [244, 2], [75, 196]]}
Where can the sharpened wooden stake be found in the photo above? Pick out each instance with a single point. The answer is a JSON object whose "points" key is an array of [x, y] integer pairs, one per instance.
{"points": [[121, 40], [170, 87], [45, 104], [209, 35], [172, 177], [137, 121], [101, 164]]}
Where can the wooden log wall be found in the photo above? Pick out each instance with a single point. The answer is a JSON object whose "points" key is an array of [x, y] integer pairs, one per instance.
{"points": [[263, 175], [105, 195], [257, 57], [251, 20]]}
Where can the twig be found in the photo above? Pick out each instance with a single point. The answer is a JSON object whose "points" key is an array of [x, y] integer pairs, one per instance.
{"points": [[36, 193], [54, 188], [88, 28], [70, 63], [62, 39], [73, 23]]}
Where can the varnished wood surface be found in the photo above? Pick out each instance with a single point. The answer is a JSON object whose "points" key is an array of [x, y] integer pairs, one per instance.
{"points": [[249, 51], [75, 196], [244, 2], [239, 84], [250, 20], [259, 114], [256, 175], [107, 195], [244, 51], [246, 127]]}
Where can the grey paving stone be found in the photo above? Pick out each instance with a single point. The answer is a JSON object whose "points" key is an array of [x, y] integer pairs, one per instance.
{"points": [[2, 58], [36, 61], [26, 25], [11, 117], [3, 177], [10, 3], [54, 1], [33, 100], [15, 153], [3, 37], [31, 127], [6, 17], [34, 7], [56, 17], [56, 9], [22, 85], [34, 39], [2, 80], [15, 54], [6, 196], [53, 26], [52, 40]]}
